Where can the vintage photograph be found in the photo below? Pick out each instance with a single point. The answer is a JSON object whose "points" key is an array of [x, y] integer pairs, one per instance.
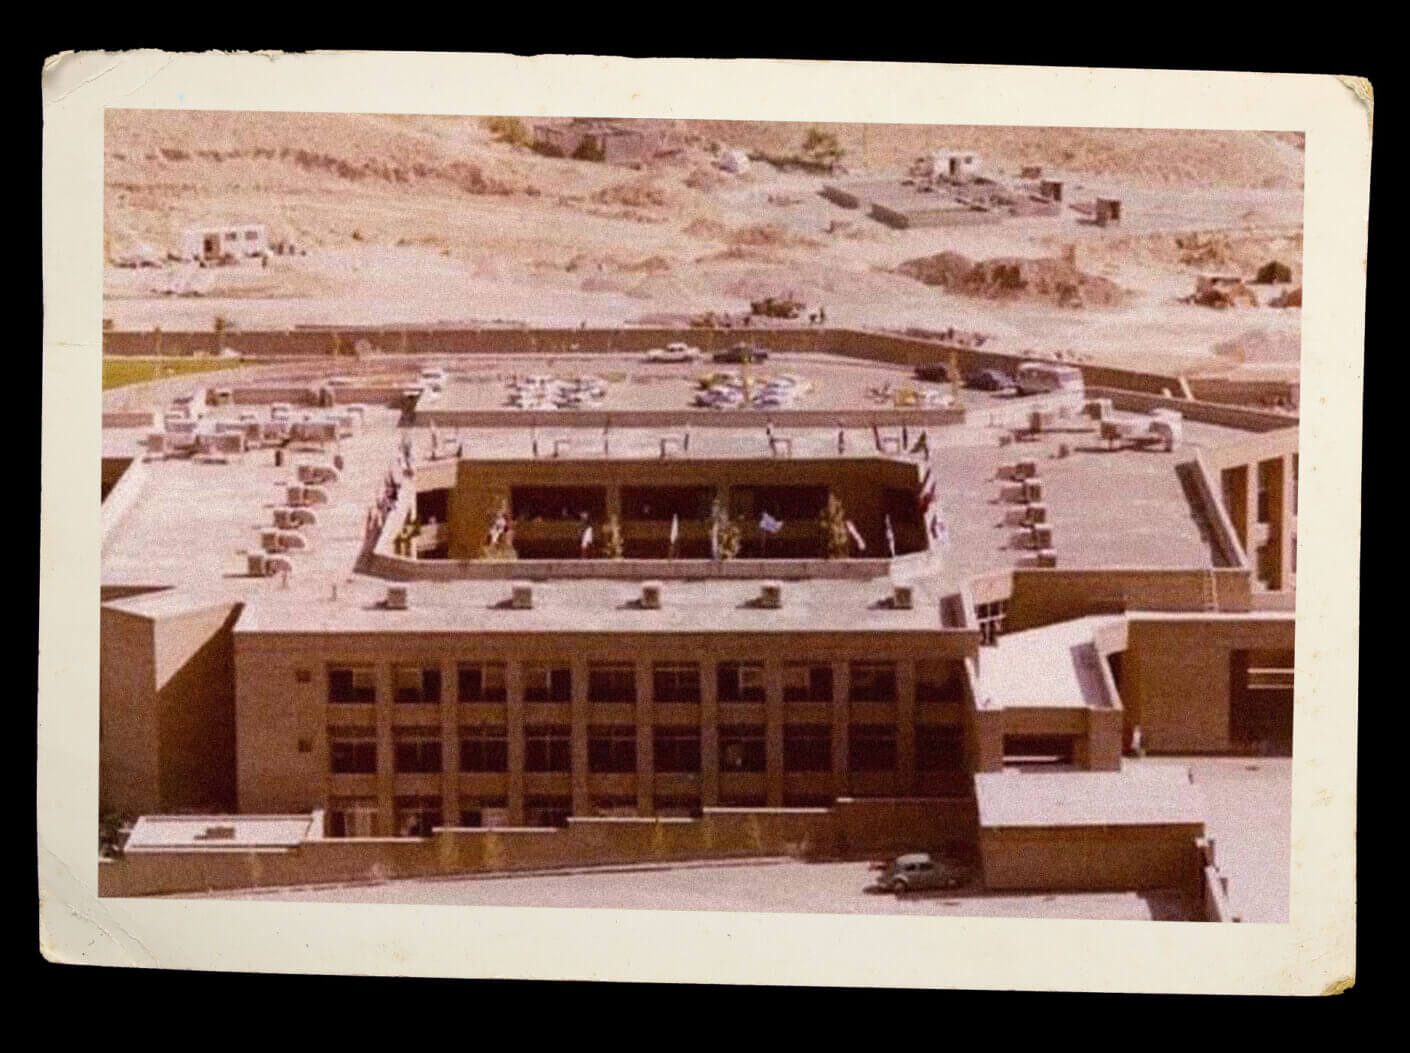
{"points": [[703, 515]]}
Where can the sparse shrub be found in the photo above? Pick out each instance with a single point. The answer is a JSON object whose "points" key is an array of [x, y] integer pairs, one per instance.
{"points": [[509, 130], [821, 147]]}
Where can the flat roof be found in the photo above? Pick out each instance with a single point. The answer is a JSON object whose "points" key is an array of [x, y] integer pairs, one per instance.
{"points": [[184, 833], [595, 606], [1055, 666], [190, 524], [1134, 796]]}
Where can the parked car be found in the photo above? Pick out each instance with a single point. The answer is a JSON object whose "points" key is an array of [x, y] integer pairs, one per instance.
{"points": [[936, 374], [741, 352], [916, 871], [990, 380], [674, 352]]}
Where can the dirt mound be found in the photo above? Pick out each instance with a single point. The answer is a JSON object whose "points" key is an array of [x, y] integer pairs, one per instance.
{"points": [[1010, 277], [636, 193], [770, 235], [705, 179], [1260, 346]]}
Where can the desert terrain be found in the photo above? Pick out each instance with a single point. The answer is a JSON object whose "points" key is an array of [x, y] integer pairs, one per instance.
{"points": [[413, 220]]}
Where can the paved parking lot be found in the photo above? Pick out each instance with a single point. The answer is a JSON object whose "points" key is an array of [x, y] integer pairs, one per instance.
{"points": [[766, 886]]}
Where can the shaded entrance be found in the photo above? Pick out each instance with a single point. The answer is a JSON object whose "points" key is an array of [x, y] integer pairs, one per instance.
{"points": [[1261, 702]]}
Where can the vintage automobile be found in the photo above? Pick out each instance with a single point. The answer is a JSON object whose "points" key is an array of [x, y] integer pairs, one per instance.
{"points": [[916, 871], [674, 352], [989, 380], [741, 352]]}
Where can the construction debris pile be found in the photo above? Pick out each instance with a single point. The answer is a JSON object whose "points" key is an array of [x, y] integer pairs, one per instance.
{"points": [[1008, 277]]}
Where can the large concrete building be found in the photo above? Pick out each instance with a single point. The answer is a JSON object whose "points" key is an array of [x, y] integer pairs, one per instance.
{"points": [[435, 613]]}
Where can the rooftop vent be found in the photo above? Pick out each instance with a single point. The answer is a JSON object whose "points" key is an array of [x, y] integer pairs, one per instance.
{"points": [[396, 598], [521, 596], [903, 597], [651, 595], [771, 595]]}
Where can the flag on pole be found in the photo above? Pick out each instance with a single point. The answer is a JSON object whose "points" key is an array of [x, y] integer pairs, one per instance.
{"points": [[587, 537], [769, 525], [675, 533], [905, 437], [852, 529], [876, 434], [769, 429], [890, 537]]}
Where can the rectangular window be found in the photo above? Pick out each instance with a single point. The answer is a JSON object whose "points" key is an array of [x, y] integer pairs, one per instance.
{"points": [[661, 503], [612, 748], [676, 682], [677, 749], [807, 747], [481, 682], [939, 747], [742, 748], [548, 747], [807, 683], [352, 684], [548, 811], [612, 682], [417, 816], [483, 811], [991, 617], [418, 750], [871, 747], [352, 817], [740, 681], [548, 683], [558, 502], [873, 682], [352, 751], [939, 681], [484, 749], [412, 684]]}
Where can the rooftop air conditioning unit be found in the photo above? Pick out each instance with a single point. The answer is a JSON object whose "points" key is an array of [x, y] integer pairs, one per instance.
{"points": [[1043, 537], [771, 595], [1033, 490], [1025, 469], [1035, 513], [269, 540], [651, 595], [521, 596], [256, 564], [903, 597], [396, 598], [1047, 558]]}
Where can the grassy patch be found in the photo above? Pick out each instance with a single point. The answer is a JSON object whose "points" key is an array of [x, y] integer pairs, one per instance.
{"points": [[119, 372]]}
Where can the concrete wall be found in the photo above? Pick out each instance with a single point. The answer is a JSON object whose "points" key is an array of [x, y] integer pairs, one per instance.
{"points": [[1092, 858], [166, 710], [128, 739], [852, 829], [1043, 596], [1175, 676]]}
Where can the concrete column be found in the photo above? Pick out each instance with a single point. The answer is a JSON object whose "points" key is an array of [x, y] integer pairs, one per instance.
{"points": [[709, 734], [905, 726], [1284, 516], [773, 733], [841, 712], [645, 751], [386, 753], [450, 745], [1250, 516], [514, 728], [582, 801]]}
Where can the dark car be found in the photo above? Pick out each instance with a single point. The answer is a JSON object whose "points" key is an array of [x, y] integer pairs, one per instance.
{"points": [[916, 871], [936, 374], [741, 352], [990, 380]]}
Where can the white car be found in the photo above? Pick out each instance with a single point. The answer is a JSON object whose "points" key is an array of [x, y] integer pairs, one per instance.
{"points": [[674, 352]]}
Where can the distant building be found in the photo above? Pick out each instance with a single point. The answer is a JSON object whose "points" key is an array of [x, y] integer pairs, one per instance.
{"points": [[216, 242], [593, 140]]}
